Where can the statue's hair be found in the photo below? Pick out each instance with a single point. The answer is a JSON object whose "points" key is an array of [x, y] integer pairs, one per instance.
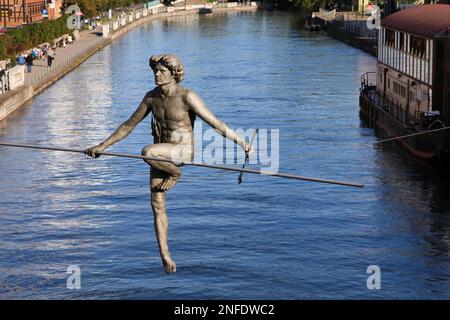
{"points": [[169, 61]]}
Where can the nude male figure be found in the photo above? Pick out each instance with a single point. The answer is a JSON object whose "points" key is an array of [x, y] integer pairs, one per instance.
{"points": [[174, 109]]}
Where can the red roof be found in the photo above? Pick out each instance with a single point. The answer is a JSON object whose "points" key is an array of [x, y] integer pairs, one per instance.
{"points": [[422, 20]]}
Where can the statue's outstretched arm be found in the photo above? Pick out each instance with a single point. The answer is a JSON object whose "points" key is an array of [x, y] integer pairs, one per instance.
{"points": [[199, 108], [124, 129]]}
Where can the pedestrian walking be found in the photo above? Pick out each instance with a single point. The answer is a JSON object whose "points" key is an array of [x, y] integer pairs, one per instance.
{"points": [[50, 57], [44, 51], [29, 62]]}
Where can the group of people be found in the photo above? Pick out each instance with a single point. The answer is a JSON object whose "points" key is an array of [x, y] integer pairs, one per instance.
{"points": [[64, 41], [27, 57]]}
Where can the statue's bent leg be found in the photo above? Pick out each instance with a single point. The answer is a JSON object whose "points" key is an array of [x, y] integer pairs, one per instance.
{"points": [[166, 151], [163, 151], [161, 220]]}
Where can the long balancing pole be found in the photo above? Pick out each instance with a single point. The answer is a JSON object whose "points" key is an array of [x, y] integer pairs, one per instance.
{"points": [[220, 167]]}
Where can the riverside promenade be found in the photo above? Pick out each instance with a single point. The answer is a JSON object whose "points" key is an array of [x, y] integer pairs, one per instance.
{"points": [[64, 56], [66, 59], [86, 44]]}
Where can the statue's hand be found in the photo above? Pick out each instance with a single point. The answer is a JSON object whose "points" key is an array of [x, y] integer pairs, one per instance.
{"points": [[94, 151], [248, 149]]}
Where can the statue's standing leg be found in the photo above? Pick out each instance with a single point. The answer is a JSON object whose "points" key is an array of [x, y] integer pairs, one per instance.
{"points": [[161, 220]]}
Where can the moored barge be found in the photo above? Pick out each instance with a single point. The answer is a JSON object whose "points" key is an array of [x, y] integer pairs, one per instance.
{"points": [[410, 91]]}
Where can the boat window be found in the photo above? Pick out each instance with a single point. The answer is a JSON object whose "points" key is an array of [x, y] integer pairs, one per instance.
{"points": [[402, 41], [390, 38], [417, 46]]}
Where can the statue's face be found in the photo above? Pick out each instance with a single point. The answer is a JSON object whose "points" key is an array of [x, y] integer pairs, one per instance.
{"points": [[162, 75]]}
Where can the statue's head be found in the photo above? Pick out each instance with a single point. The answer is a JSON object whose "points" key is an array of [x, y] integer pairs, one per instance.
{"points": [[164, 62]]}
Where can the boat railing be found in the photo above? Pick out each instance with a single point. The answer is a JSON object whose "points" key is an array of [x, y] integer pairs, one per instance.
{"points": [[390, 106], [368, 79]]}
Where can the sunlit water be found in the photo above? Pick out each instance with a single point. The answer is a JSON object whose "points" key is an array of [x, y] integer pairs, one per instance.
{"points": [[266, 238]]}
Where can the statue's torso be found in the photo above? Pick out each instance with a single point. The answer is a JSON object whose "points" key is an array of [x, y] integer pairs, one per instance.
{"points": [[172, 119]]}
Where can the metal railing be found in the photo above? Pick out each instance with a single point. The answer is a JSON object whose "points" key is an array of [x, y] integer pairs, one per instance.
{"points": [[234, 4], [32, 79], [353, 28], [358, 28], [393, 108], [368, 79]]}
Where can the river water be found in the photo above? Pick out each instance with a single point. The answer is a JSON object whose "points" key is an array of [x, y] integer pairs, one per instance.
{"points": [[266, 238]]}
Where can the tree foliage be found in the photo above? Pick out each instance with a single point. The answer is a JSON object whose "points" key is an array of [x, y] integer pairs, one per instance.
{"points": [[17, 40], [326, 4], [92, 8], [309, 4]]}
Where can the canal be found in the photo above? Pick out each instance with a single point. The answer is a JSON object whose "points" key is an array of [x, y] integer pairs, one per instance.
{"points": [[266, 238]]}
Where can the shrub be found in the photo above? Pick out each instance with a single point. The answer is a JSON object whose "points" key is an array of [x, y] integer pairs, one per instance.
{"points": [[17, 40]]}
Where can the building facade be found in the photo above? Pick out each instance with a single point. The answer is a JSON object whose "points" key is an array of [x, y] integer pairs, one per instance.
{"points": [[54, 8], [14, 13]]}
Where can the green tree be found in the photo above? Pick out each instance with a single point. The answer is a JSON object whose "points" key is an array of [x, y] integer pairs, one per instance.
{"points": [[92, 8], [17, 40], [309, 4]]}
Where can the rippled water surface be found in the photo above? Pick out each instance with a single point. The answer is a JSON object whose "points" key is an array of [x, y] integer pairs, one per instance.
{"points": [[266, 238]]}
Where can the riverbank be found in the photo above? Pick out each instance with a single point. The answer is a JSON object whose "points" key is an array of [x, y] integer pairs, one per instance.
{"points": [[351, 28], [88, 43]]}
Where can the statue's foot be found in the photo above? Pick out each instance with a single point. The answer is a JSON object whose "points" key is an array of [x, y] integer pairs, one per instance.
{"points": [[167, 183], [169, 265]]}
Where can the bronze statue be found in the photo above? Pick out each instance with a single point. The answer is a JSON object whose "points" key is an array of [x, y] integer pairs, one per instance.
{"points": [[174, 109]]}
